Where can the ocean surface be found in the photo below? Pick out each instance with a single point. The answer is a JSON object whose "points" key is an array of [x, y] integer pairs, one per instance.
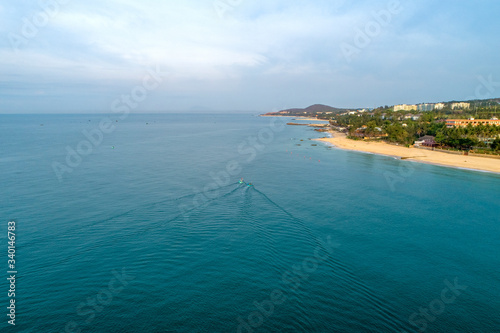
{"points": [[141, 224]]}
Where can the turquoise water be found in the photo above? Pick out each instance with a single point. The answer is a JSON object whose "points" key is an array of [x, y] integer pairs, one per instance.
{"points": [[152, 232]]}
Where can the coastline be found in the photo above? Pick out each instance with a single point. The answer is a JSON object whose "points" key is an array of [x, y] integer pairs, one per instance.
{"points": [[341, 141], [296, 117]]}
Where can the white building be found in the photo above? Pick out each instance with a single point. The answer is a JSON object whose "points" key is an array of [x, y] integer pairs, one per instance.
{"points": [[425, 107], [439, 106], [405, 107], [461, 105]]}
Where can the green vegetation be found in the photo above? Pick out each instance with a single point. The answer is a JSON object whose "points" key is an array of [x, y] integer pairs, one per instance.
{"points": [[465, 138], [404, 127]]}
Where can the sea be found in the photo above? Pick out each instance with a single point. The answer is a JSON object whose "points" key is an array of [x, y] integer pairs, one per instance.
{"points": [[235, 223]]}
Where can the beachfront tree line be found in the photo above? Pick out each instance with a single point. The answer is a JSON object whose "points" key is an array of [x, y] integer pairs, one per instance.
{"points": [[400, 128], [465, 138]]}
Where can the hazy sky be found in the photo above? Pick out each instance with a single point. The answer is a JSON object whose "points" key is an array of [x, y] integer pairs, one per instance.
{"points": [[74, 56]]}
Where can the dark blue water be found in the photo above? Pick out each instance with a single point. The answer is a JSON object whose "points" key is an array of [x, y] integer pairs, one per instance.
{"points": [[149, 230]]}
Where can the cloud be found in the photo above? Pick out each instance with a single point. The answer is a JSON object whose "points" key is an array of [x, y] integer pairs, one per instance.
{"points": [[184, 37], [103, 47]]}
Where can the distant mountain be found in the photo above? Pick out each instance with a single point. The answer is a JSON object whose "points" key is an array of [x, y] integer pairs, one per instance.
{"points": [[312, 110]]}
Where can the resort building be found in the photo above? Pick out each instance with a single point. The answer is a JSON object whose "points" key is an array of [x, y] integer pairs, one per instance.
{"points": [[471, 121], [461, 105], [405, 107], [439, 106], [426, 141], [425, 107]]}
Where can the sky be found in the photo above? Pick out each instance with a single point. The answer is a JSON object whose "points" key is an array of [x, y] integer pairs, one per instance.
{"points": [[68, 56]]}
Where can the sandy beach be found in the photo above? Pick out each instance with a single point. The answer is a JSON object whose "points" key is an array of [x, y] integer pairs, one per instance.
{"points": [[415, 154]]}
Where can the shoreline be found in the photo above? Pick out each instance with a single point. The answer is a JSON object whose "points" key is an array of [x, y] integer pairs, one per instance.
{"points": [[296, 117], [476, 163]]}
